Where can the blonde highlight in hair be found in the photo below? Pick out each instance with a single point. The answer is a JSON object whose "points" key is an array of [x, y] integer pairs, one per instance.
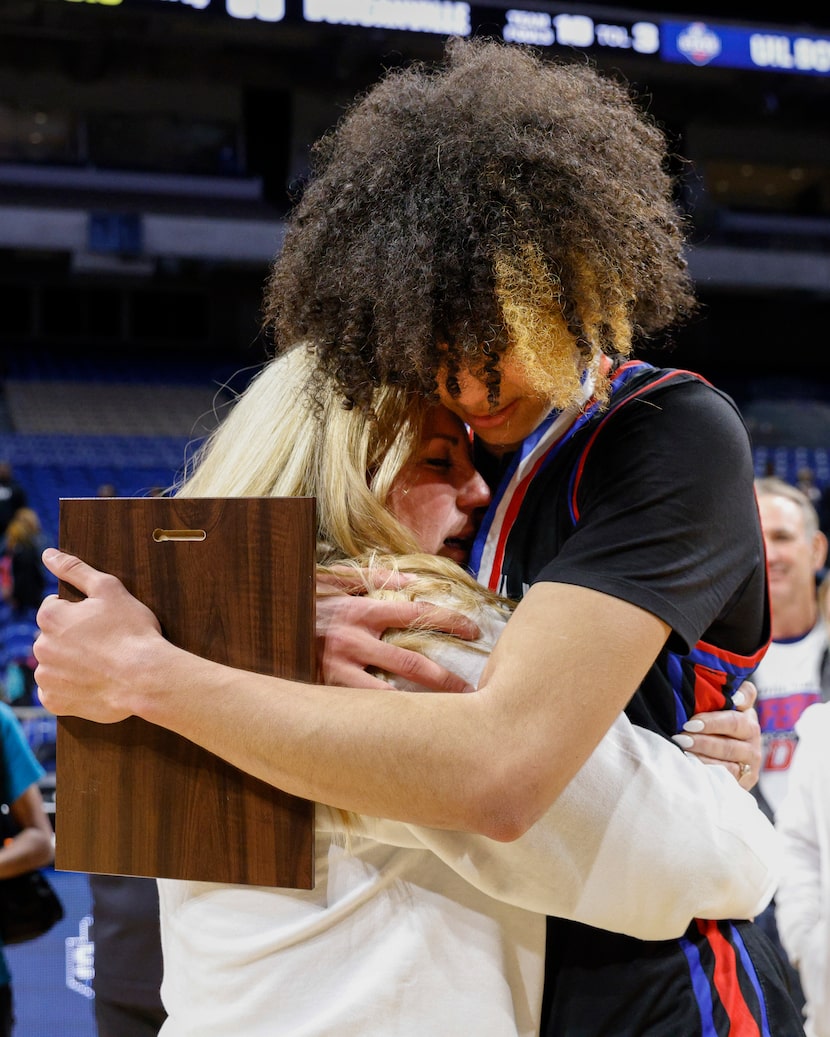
{"points": [[552, 355]]}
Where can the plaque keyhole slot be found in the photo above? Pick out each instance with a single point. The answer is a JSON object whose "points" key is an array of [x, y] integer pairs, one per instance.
{"points": [[161, 535]]}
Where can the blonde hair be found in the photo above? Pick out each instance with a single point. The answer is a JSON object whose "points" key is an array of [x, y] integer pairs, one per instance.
{"points": [[289, 434], [23, 528], [433, 579]]}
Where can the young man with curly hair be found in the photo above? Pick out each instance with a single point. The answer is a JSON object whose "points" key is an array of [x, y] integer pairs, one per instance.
{"points": [[499, 233]]}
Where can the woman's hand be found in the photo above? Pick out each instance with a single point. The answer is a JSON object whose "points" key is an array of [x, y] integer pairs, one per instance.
{"points": [[729, 737], [350, 627]]}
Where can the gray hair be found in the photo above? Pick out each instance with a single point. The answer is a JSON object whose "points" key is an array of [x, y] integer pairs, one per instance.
{"points": [[772, 486]]}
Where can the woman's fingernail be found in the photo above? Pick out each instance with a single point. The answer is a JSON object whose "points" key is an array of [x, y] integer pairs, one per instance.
{"points": [[693, 725], [684, 741], [738, 698]]}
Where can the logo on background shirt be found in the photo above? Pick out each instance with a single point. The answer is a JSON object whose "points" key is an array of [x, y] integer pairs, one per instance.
{"points": [[778, 751], [780, 713]]}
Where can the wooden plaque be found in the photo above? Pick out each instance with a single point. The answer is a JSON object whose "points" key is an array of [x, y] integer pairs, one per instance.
{"points": [[232, 580]]}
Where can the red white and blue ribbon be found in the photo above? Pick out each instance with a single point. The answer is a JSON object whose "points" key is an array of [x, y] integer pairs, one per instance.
{"points": [[535, 453]]}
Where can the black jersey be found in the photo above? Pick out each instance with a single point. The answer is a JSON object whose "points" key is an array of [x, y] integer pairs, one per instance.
{"points": [[651, 500]]}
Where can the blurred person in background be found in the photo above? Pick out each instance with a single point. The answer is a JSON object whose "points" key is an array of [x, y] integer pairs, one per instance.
{"points": [[788, 678], [803, 820], [23, 586], [803, 895], [32, 846], [128, 961], [25, 542], [12, 496]]}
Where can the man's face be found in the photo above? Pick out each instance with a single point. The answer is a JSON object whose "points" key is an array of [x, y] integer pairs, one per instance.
{"points": [[502, 427], [794, 555]]}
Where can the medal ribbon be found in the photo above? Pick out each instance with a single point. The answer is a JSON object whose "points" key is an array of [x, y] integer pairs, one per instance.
{"points": [[535, 454]]}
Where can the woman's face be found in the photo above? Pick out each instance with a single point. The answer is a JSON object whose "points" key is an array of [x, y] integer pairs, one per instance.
{"points": [[438, 494]]}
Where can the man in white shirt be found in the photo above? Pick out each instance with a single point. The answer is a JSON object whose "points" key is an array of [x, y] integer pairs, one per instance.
{"points": [[789, 676]]}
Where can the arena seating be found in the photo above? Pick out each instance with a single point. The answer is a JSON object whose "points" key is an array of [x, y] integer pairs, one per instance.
{"points": [[55, 465], [73, 423], [787, 461]]}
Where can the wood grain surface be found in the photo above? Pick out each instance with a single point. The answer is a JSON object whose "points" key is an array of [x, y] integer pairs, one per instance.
{"points": [[229, 579]]}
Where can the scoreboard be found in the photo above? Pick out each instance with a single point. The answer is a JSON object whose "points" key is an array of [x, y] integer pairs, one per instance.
{"points": [[663, 38]]}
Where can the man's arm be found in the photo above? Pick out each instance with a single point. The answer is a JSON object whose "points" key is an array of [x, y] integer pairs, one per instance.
{"points": [[708, 851], [636, 789], [350, 633], [490, 762]]}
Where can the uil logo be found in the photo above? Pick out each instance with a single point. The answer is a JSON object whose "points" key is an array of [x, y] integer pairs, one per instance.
{"points": [[699, 43]]}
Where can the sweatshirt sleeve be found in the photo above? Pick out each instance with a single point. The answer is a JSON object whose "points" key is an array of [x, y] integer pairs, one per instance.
{"points": [[643, 840]]}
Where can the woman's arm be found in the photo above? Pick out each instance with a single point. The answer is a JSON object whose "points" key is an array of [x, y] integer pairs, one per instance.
{"points": [[33, 846]]}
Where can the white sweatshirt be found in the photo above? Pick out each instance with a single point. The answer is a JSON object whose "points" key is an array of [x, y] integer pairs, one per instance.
{"points": [[412, 931]]}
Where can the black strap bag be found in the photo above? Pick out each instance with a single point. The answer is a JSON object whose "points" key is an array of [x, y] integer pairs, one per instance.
{"points": [[29, 907]]}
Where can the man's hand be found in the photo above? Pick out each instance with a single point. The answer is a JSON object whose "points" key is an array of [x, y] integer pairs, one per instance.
{"points": [[350, 627], [82, 647], [731, 738]]}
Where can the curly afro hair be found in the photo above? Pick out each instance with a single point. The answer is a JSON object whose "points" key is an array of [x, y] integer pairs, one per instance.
{"points": [[495, 201]]}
